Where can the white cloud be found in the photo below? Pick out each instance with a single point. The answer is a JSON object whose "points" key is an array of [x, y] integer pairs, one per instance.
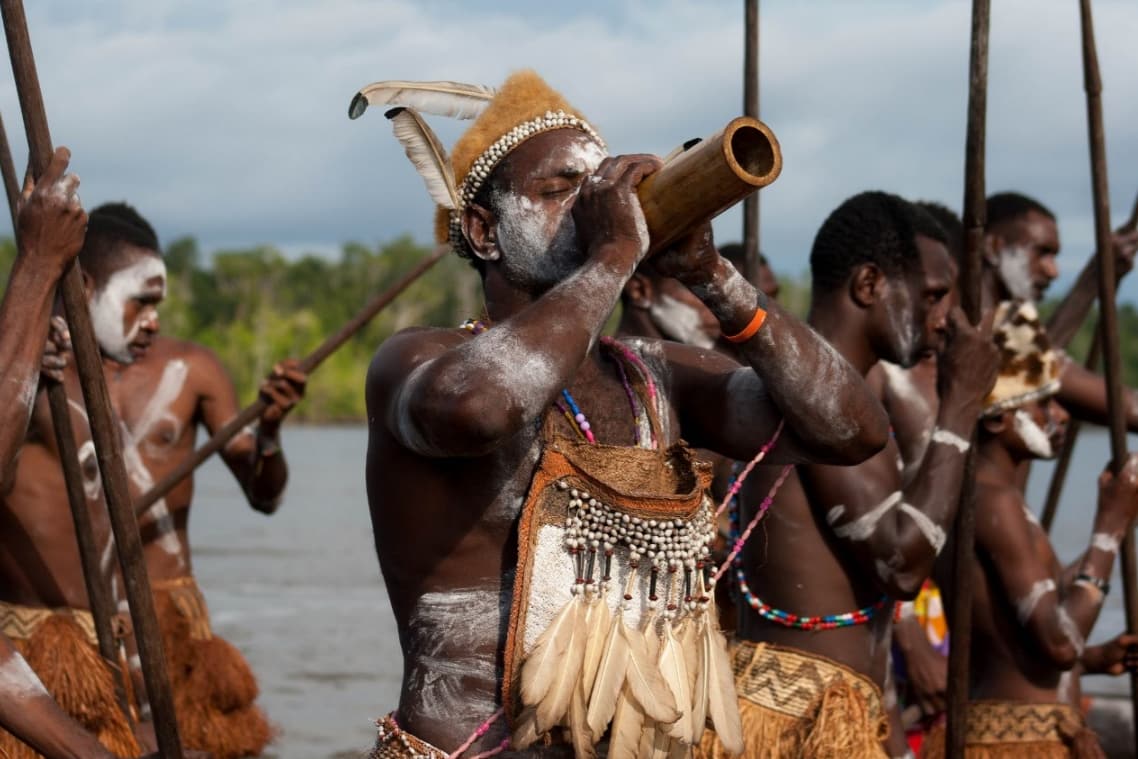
{"points": [[228, 120]]}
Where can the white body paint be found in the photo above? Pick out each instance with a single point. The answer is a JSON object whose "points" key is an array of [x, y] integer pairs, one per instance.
{"points": [[899, 309], [864, 526], [1036, 440], [930, 529], [18, 680], [1014, 268], [947, 437], [455, 634], [1065, 691], [1026, 605], [1104, 541], [157, 410], [679, 321], [108, 304], [1071, 630]]}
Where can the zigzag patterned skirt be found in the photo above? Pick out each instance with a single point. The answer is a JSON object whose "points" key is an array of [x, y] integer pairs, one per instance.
{"points": [[794, 704], [1003, 730]]}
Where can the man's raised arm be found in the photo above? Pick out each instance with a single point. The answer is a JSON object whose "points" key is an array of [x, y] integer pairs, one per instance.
{"points": [[51, 224]]}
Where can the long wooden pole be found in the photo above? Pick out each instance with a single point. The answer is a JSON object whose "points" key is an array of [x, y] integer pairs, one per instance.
{"points": [[1063, 461], [971, 300], [104, 432], [751, 108], [308, 364], [1108, 317], [98, 593]]}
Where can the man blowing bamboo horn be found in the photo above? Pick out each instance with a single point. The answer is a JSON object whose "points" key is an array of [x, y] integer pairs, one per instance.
{"points": [[540, 526], [160, 389], [1031, 615], [815, 631], [50, 230]]}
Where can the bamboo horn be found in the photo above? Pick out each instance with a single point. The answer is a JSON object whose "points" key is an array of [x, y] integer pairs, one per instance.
{"points": [[751, 108], [104, 432], [98, 594], [250, 413], [707, 179], [964, 530], [1063, 461], [1108, 316]]}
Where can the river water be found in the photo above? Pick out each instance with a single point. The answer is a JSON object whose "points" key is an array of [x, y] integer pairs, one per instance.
{"points": [[300, 594]]}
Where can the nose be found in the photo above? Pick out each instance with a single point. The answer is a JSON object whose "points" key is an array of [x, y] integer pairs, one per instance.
{"points": [[1049, 267], [149, 321]]}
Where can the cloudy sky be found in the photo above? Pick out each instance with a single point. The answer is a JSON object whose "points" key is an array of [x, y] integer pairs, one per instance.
{"points": [[228, 120]]}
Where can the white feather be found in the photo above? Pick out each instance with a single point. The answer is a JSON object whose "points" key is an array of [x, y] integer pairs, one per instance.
{"points": [[722, 703], [675, 676], [627, 720], [456, 100], [547, 657], [609, 677], [427, 154], [645, 682], [597, 623], [692, 642], [525, 731], [555, 706]]}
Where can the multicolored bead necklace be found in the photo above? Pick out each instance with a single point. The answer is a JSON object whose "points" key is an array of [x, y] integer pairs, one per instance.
{"points": [[765, 610]]}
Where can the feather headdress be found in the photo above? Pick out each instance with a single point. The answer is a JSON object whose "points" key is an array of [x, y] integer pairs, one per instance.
{"points": [[504, 118]]}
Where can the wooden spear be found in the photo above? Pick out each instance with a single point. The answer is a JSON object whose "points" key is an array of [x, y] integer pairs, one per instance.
{"points": [[98, 593], [751, 108], [971, 300], [1108, 317], [1063, 461], [250, 413], [104, 432]]}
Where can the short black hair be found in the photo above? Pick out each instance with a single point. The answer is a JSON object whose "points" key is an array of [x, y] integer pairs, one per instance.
{"points": [[870, 228], [109, 227], [949, 222], [1008, 206]]}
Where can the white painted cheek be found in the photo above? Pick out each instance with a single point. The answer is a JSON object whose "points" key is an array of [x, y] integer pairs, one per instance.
{"points": [[900, 312], [679, 321], [1033, 437], [1014, 269], [107, 310]]}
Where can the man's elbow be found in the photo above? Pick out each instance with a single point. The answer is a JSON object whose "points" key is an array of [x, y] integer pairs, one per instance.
{"points": [[858, 437], [1061, 653]]}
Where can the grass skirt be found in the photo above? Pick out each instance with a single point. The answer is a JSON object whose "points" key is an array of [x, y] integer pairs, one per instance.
{"points": [[59, 646], [795, 705], [1001, 730], [214, 688]]}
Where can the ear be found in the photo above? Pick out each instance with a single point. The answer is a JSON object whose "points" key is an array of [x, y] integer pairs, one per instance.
{"points": [[639, 291], [479, 227], [993, 244], [88, 283], [866, 285], [995, 425]]}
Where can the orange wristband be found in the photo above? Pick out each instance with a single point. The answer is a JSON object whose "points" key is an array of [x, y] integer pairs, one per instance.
{"points": [[749, 331]]}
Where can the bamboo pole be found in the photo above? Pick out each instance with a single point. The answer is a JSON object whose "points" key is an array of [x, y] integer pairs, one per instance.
{"points": [[1108, 316], [751, 108], [250, 413], [964, 530], [98, 593], [104, 432]]}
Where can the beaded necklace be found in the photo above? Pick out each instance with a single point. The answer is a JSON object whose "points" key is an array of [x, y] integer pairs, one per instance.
{"points": [[765, 610]]}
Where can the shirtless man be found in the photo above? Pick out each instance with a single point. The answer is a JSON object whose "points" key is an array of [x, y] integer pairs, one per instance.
{"points": [[163, 388], [1031, 616], [160, 390], [880, 276], [456, 418], [50, 231]]}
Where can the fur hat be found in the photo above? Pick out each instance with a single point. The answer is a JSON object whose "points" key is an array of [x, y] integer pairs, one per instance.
{"points": [[522, 107], [1029, 367]]}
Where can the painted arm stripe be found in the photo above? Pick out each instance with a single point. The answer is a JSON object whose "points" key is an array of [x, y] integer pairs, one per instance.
{"points": [[1026, 605], [862, 527], [947, 437], [930, 529]]}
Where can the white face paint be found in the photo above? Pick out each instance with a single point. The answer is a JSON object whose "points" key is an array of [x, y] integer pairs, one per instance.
{"points": [[679, 321], [1034, 438], [539, 246], [1014, 268], [108, 305], [903, 334]]}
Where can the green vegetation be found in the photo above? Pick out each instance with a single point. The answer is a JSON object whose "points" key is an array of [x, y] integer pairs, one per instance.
{"points": [[254, 307]]}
